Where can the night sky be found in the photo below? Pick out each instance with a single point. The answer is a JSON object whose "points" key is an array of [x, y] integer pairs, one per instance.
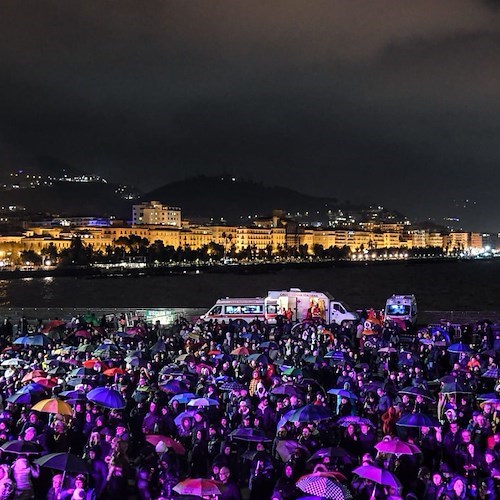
{"points": [[391, 102]]}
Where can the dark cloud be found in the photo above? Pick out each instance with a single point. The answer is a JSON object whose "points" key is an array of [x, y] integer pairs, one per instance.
{"points": [[392, 102]]}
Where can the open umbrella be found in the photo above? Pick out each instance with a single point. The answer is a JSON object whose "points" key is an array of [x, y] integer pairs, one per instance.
{"points": [[418, 420], [491, 373], [293, 372], [198, 487], [65, 462], [268, 345], [396, 447], [460, 347], [354, 420], [323, 485], [14, 362], [48, 383], [309, 413], [20, 447], [185, 414], [111, 372], [82, 372], [232, 386], [240, 351], [34, 374], [416, 391], [287, 390], [183, 398], [167, 441], [456, 388], [332, 452], [94, 363], [33, 340], [54, 406], [174, 386], [51, 325], [84, 334], [203, 402], [249, 434], [259, 358], [342, 393], [107, 397], [108, 351], [377, 475], [29, 394], [287, 448]]}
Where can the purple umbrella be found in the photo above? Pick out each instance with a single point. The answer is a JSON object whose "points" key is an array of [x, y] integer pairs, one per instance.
{"points": [[377, 475]]}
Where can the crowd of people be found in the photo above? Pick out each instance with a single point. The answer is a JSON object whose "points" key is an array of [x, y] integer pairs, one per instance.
{"points": [[95, 409]]}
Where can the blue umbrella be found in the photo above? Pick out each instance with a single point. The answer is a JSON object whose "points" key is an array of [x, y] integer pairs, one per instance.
{"points": [[460, 347], [310, 413], [418, 420], [342, 393], [185, 414], [489, 395], [35, 340], [183, 398], [354, 420], [29, 394], [107, 397]]}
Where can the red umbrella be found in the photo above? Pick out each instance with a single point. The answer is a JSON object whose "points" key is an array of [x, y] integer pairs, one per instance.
{"points": [[51, 325], [84, 334], [45, 382], [90, 363], [240, 351], [111, 372], [34, 374]]}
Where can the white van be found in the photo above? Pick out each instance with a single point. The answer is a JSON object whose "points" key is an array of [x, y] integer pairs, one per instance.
{"points": [[241, 309]]}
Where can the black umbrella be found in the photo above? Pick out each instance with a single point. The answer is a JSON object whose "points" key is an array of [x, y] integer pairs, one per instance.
{"points": [[20, 447], [65, 462]]}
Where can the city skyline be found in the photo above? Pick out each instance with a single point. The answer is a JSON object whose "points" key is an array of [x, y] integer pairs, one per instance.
{"points": [[384, 103]]}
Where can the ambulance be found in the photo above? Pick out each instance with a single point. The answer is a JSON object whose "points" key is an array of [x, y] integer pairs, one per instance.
{"points": [[294, 304], [401, 308]]}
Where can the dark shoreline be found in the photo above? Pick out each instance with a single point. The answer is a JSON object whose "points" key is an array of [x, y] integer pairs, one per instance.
{"points": [[258, 268]]}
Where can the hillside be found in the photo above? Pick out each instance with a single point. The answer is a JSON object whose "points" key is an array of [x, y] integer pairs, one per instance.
{"points": [[70, 199], [222, 197]]}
